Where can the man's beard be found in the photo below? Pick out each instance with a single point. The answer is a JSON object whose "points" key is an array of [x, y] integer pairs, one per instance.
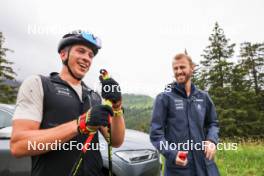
{"points": [[187, 77]]}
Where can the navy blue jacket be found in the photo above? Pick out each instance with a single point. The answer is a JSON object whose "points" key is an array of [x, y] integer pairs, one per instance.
{"points": [[178, 118]]}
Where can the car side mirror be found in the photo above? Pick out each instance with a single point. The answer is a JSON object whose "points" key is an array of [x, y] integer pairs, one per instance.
{"points": [[5, 133]]}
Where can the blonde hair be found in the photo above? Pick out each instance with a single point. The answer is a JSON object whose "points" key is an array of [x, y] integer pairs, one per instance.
{"points": [[182, 55]]}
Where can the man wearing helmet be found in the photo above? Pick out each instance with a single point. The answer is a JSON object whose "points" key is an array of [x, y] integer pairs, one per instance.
{"points": [[61, 109]]}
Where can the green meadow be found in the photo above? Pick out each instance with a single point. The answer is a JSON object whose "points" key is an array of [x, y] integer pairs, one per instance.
{"points": [[247, 160]]}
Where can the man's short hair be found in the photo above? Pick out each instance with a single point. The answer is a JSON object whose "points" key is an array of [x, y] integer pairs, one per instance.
{"points": [[182, 55]]}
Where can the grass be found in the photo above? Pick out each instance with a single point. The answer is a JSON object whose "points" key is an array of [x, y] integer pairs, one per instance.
{"points": [[247, 160]]}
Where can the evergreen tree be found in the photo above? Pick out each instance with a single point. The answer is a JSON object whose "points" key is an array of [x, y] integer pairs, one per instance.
{"points": [[238, 79], [7, 92], [253, 61], [215, 75], [216, 67], [198, 78]]}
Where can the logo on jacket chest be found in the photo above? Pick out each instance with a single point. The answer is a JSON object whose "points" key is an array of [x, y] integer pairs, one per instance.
{"points": [[198, 102], [199, 107], [178, 104]]}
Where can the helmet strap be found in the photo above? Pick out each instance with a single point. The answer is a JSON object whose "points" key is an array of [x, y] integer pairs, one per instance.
{"points": [[65, 62]]}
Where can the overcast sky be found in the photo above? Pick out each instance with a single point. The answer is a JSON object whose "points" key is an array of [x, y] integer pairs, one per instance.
{"points": [[139, 37]]}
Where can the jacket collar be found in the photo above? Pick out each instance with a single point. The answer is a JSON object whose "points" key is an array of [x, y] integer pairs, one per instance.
{"points": [[180, 89], [54, 76]]}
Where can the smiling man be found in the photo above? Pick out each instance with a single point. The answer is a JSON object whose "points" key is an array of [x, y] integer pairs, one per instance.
{"points": [[184, 117], [60, 108]]}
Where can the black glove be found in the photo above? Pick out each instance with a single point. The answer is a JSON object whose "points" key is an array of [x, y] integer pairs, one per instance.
{"points": [[111, 90], [95, 116]]}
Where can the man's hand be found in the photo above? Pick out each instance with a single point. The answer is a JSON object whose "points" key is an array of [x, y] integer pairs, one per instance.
{"points": [[181, 158], [111, 90], [210, 149], [95, 117]]}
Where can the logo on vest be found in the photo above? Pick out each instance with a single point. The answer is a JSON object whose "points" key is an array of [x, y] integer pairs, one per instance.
{"points": [[64, 91]]}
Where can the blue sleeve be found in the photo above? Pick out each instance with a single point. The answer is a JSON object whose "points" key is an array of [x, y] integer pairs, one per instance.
{"points": [[211, 121], [157, 128]]}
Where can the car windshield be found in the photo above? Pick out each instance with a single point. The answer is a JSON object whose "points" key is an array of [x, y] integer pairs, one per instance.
{"points": [[5, 118]]}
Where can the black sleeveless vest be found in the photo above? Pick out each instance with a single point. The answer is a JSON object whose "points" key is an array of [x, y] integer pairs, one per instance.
{"points": [[61, 104]]}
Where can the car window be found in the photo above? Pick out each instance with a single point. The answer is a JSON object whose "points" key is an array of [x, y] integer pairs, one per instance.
{"points": [[5, 119]]}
